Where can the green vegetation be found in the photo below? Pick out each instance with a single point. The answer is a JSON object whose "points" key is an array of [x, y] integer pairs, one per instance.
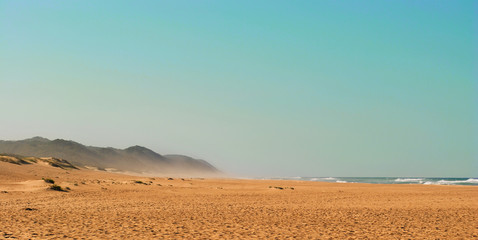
{"points": [[57, 188], [48, 180], [141, 182]]}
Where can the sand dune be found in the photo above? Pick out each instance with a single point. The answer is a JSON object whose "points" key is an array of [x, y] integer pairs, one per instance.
{"points": [[25, 186], [103, 205]]}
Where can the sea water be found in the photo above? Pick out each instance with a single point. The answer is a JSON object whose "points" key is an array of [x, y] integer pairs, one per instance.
{"points": [[391, 180]]}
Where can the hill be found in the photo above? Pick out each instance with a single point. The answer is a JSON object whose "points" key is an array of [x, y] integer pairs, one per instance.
{"points": [[135, 159]]}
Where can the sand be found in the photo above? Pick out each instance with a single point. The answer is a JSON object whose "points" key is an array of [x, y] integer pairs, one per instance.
{"points": [[104, 205]]}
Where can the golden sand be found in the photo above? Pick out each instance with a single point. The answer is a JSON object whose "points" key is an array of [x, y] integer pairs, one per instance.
{"points": [[103, 205]]}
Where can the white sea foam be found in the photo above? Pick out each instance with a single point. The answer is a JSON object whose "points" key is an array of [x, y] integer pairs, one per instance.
{"points": [[452, 182], [472, 180], [323, 179], [445, 182], [409, 180], [329, 178], [402, 180]]}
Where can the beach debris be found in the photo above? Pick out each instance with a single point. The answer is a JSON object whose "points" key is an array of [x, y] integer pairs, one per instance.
{"points": [[170, 178], [282, 188], [30, 209]]}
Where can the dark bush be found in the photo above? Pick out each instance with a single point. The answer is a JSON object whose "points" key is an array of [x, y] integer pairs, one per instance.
{"points": [[48, 180], [57, 188]]}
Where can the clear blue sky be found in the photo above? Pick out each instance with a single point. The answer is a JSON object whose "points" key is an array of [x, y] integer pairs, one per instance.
{"points": [[258, 88]]}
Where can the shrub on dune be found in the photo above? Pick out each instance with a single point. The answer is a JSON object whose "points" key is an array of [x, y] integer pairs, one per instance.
{"points": [[48, 180], [57, 188]]}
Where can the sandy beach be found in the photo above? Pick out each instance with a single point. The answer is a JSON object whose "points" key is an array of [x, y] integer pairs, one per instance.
{"points": [[101, 205]]}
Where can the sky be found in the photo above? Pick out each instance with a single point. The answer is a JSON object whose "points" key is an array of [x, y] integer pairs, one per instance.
{"points": [[257, 88]]}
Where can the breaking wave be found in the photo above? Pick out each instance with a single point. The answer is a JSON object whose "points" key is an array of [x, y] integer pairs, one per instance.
{"points": [[390, 180], [418, 180], [469, 181]]}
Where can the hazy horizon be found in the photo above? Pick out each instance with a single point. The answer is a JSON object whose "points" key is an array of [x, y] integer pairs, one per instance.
{"points": [[270, 88]]}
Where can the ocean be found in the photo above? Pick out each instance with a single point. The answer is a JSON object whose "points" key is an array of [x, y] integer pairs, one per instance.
{"points": [[390, 180]]}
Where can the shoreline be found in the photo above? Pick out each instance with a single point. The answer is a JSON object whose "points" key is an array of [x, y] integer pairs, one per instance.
{"points": [[437, 181], [102, 205]]}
